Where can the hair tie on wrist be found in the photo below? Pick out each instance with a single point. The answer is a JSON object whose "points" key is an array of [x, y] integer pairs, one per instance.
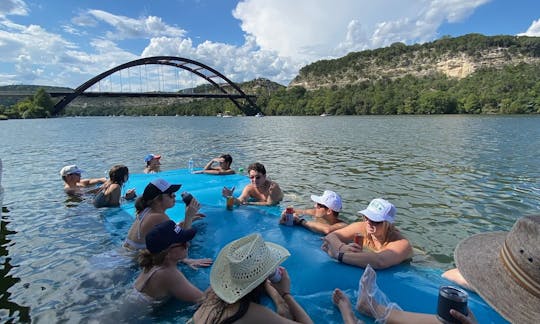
{"points": [[340, 257]]}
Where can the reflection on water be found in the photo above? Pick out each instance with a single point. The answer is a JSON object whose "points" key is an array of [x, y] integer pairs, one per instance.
{"points": [[449, 176]]}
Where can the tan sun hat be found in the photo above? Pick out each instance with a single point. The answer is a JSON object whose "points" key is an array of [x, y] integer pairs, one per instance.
{"points": [[504, 268], [244, 264]]}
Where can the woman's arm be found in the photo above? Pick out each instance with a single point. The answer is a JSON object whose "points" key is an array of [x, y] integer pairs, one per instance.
{"points": [[393, 253], [181, 289]]}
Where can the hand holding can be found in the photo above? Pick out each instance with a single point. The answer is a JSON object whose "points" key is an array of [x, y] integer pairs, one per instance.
{"points": [[359, 239]]}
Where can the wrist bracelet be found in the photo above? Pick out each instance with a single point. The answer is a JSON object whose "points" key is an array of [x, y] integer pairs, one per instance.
{"points": [[340, 257], [285, 294]]}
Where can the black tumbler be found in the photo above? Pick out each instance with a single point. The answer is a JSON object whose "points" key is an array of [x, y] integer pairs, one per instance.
{"points": [[186, 197], [451, 298]]}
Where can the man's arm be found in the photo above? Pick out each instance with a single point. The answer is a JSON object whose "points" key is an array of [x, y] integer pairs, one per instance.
{"points": [[319, 227]]}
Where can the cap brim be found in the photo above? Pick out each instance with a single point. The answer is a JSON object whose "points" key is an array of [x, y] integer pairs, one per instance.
{"points": [[317, 199], [173, 188], [477, 259], [187, 234], [370, 215]]}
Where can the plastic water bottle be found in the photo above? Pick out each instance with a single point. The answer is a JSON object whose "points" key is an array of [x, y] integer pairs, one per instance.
{"points": [[190, 165]]}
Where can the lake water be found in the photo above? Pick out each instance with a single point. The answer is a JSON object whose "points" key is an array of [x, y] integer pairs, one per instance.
{"points": [[449, 177]]}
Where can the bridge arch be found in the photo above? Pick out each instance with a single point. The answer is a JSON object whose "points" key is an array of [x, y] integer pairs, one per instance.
{"points": [[203, 71]]}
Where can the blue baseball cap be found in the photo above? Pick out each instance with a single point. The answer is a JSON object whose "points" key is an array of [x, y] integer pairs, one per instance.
{"points": [[150, 157], [166, 234]]}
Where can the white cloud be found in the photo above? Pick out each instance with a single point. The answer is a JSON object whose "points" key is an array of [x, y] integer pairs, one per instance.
{"points": [[126, 28], [308, 30], [13, 7], [533, 30]]}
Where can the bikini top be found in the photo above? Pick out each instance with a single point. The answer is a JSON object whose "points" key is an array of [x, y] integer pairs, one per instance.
{"points": [[145, 298]]}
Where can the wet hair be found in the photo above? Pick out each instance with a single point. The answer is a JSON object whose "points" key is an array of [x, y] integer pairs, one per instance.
{"points": [[118, 173], [257, 167], [227, 158], [147, 260], [141, 203], [388, 228], [217, 307]]}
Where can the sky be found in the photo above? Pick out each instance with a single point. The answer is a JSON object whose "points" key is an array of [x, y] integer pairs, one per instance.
{"points": [[66, 42]]}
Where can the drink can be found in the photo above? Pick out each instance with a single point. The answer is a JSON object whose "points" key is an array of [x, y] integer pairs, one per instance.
{"points": [[359, 239], [451, 298], [276, 276], [289, 216], [230, 202]]}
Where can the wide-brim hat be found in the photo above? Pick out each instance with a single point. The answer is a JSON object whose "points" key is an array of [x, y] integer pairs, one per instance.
{"points": [[504, 268], [244, 264], [158, 187]]}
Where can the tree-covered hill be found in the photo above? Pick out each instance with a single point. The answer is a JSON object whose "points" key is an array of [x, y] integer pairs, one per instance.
{"points": [[471, 74]]}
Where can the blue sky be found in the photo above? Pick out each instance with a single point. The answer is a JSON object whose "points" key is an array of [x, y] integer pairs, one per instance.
{"points": [[65, 43]]}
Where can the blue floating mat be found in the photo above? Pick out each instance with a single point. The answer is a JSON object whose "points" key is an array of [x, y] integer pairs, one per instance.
{"points": [[313, 274]]}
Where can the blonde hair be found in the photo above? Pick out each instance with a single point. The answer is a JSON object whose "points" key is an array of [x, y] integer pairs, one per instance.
{"points": [[388, 228]]}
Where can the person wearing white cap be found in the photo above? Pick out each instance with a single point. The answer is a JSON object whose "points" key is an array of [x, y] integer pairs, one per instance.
{"points": [[325, 214], [381, 243], [153, 163], [502, 267], [71, 175], [238, 279]]}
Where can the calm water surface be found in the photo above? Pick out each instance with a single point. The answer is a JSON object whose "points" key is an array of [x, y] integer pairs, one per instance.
{"points": [[449, 176]]}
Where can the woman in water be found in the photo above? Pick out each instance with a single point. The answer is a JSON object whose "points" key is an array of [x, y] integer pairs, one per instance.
{"points": [[379, 242], [110, 192]]}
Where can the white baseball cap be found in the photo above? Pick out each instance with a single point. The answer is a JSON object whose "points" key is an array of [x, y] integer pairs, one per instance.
{"points": [[70, 169], [379, 210], [330, 199]]}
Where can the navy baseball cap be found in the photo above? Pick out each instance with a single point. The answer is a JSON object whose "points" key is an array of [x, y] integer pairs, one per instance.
{"points": [[166, 234]]}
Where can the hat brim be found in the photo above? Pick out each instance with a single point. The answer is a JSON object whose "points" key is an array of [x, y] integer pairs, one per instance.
{"points": [[187, 235], [477, 259], [372, 216], [173, 188], [317, 199], [223, 287]]}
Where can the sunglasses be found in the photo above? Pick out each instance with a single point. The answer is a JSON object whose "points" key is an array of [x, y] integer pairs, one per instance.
{"points": [[320, 206], [255, 177], [182, 245], [373, 223], [171, 194]]}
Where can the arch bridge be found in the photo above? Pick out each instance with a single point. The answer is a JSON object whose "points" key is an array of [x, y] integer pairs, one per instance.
{"points": [[226, 88]]}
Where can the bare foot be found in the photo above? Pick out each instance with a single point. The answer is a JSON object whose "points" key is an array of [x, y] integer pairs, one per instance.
{"points": [[343, 302]]}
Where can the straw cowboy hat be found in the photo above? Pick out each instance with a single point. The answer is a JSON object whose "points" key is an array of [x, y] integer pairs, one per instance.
{"points": [[504, 268], [244, 264]]}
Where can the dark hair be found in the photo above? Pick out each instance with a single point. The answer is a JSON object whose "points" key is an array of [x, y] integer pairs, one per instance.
{"points": [[258, 167], [217, 306], [227, 158], [118, 174]]}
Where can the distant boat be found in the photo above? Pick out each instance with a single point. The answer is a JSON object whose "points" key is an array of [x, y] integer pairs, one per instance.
{"points": [[325, 115], [259, 115]]}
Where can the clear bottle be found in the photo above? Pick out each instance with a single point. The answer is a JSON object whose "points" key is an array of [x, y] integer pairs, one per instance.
{"points": [[190, 165]]}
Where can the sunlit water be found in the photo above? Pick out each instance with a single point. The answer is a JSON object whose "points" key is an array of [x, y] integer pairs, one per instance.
{"points": [[449, 176]]}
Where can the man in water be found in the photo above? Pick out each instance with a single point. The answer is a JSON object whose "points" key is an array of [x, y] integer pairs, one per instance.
{"points": [[261, 191], [325, 214], [153, 164], [223, 166], [71, 175]]}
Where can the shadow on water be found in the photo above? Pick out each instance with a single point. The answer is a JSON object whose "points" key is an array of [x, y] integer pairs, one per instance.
{"points": [[16, 312]]}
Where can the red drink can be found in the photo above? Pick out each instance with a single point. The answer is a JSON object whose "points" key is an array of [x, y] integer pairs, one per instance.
{"points": [[359, 239], [289, 216]]}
